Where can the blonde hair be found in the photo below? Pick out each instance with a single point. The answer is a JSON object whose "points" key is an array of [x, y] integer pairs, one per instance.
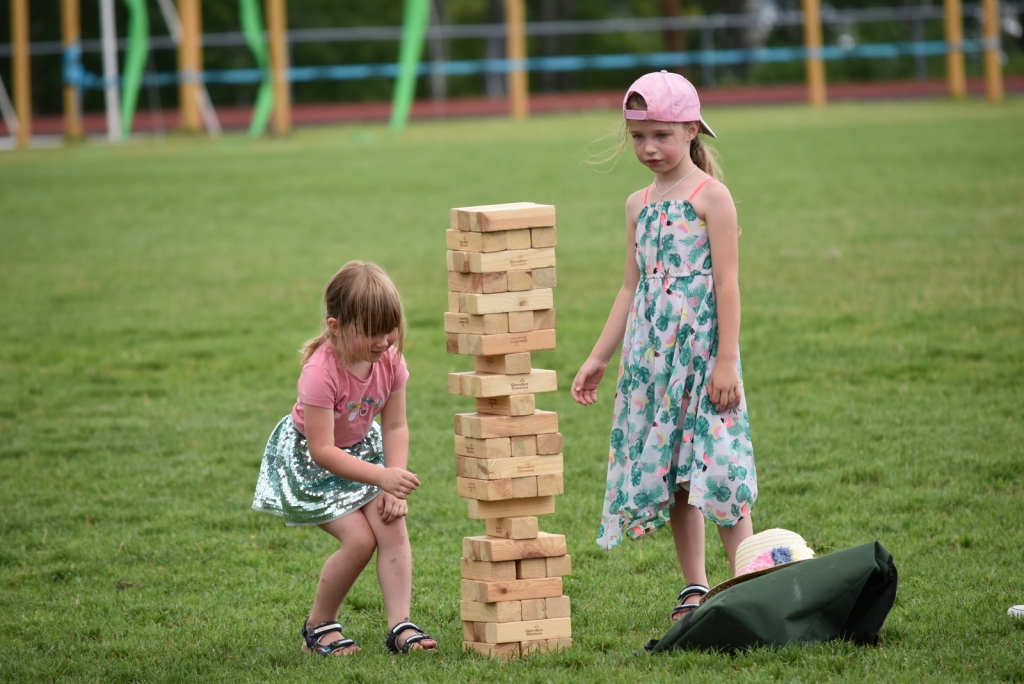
{"points": [[360, 296], [701, 153]]}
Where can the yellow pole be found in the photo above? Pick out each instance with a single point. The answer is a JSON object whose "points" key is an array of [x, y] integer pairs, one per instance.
{"points": [[190, 63], [815, 66], [955, 49], [993, 53], [515, 51], [21, 71], [71, 33], [277, 27]]}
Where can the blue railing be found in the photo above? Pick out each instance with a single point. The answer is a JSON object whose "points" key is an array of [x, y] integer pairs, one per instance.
{"points": [[76, 74]]}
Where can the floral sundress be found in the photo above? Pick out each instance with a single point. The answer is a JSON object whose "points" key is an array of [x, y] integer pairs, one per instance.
{"points": [[666, 434]]}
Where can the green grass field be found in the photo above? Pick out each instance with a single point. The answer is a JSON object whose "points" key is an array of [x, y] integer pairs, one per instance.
{"points": [[153, 297]]}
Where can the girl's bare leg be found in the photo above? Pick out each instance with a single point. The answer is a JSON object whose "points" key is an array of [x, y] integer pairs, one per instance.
{"points": [[394, 570], [341, 571], [688, 533], [733, 536]]}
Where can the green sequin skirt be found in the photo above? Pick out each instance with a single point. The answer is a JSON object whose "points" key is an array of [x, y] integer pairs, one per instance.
{"points": [[293, 486]]}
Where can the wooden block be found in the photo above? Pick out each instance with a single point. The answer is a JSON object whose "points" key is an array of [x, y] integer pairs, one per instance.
{"points": [[455, 383], [489, 324], [541, 237], [517, 239], [532, 609], [543, 319], [498, 651], [558, 566], [495, 549], [503, 302], [519, 280], [503, 632], [550, 443], [454, 302], [459, 262], [515, 405], [484, 283], [512, 590], [510, 508], [452, 344], [496, 490], [482, 426], [544, 646], [503, 364], [521, 321], [495, 217], [509, 260], [513, 528], [524, 445], [469, 629], [545, 277], [555, 607], [464, 241], [550, 485], [488, 572], [510, 343], [506, 611], [502, 468], [531, 568], [473, 384], [499, 447]]}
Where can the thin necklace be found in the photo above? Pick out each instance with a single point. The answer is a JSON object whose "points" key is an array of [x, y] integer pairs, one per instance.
{"points": [[662, 194]]}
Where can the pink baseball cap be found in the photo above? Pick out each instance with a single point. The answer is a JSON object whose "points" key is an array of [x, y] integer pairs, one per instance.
{"points": [[669, 97]]}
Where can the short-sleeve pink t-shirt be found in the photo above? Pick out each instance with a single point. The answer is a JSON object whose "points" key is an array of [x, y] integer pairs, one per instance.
{"points": [[324, 382]]}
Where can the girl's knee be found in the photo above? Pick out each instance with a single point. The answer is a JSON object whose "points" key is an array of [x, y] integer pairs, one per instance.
{"points": [[361, 543]]}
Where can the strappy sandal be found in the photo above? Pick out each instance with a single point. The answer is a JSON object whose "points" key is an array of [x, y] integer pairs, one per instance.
{"points": [[688, 591], [312, 636], [392, 640]]}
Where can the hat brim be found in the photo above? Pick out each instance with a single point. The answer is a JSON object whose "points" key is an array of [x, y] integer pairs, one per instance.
{"points": [[641, 115], [740, 579], [705, 129]]}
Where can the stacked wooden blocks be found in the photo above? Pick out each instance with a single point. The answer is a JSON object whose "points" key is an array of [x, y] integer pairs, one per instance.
{"points": [[501, 268]]}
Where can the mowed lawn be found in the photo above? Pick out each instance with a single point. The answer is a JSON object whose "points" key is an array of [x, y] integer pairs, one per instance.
{"points": [[153, 298]]}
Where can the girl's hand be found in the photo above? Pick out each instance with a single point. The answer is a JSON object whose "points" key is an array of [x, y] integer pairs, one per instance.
{"points": [[398, 482], [725, 387], [391, 507], [584, 385]]}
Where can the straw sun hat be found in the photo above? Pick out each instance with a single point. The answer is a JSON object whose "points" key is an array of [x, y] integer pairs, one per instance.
{"points": [[762, 553]]}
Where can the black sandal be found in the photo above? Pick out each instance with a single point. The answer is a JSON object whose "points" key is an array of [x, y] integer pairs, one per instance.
{"points": [[392, 640], [311, 636], [688, 591]]}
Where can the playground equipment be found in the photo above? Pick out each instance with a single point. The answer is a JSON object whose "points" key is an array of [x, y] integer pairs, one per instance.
{"points": [[274, 74]]}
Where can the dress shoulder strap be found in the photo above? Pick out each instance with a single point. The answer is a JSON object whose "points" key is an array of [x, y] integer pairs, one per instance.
{"points": [[646, 190], [698, 188]]}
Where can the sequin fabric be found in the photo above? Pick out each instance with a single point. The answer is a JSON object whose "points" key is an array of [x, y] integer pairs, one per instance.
{"points": [[293, 486]]}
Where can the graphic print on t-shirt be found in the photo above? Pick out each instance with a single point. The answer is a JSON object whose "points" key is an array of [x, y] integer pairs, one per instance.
{"points": [[360, 408]]}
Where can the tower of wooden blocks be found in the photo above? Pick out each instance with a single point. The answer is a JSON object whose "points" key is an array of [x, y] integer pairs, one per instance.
{"points": [[501, 269]]}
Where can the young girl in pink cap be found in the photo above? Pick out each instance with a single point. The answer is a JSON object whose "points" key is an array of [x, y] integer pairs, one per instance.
{"points": [[680, 442], [329, 464]]}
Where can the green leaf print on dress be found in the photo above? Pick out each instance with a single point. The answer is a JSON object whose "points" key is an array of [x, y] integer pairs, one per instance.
{"points": [[667, 436]]}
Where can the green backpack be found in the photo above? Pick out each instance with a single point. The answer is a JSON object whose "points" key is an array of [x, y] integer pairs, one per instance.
{"points": [[844, 595]]}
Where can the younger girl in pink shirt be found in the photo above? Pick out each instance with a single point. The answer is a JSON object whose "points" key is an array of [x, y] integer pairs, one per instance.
{"points": [[329, 464]]}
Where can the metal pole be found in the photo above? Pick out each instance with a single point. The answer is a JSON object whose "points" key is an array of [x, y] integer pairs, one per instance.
{"points": [[277, 28], [112, 92], [993, 52], [515, 52], [707, 68], [816, 94], [71, 33], [955, 49], [21, 71]]}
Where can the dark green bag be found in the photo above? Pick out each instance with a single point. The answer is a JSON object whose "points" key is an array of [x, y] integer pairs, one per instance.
{"points": [[844, 595]]}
